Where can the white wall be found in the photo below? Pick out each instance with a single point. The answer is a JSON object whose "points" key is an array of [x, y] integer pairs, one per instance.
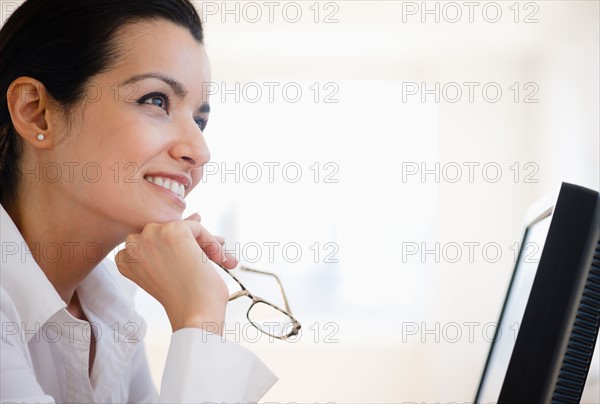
{"points": [[371, 294]]}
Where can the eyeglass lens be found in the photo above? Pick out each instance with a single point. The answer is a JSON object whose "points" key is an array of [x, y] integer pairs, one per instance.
{"points": [[270, 320]]}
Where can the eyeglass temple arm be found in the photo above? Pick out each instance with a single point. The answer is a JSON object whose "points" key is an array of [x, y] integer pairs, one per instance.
{"points": [[285, 301], [239, 293]]}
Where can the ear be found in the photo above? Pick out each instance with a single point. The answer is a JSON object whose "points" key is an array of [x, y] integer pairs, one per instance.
{"points": [[30, 105]]}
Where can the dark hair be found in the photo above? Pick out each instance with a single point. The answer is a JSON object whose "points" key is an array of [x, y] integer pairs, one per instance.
{"points": [[62, 44]]}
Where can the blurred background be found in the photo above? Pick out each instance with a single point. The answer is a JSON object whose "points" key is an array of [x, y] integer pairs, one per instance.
{"points": [[380, 157]]}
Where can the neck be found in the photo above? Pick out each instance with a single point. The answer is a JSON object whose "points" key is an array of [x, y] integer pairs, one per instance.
{"points": [[66, 240]]}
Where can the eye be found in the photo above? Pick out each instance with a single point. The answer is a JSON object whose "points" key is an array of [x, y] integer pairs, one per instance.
{"points": [[201, 123], [160, 100]]}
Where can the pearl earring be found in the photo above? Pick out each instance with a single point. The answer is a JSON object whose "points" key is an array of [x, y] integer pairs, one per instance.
{"points": [[41, 137]]}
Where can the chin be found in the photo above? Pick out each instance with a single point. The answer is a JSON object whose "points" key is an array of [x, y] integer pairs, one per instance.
{"points": [[138, 224], [165, 217]]}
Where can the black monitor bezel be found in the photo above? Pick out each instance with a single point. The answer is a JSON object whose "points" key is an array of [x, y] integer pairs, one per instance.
{"points": [[550, 310]]}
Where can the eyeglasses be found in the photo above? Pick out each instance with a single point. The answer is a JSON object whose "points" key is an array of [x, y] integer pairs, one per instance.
{"points": [[267, 317]]}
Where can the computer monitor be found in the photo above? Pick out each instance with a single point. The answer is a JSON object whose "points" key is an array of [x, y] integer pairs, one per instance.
{"points": [[554, 303]]}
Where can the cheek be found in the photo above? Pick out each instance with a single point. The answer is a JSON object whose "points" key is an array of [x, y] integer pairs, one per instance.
{"points": [[117, 131], [196, 176]]}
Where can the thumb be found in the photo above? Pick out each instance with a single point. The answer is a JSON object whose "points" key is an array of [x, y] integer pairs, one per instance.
{"points": [[121, 260], [126, 255]]}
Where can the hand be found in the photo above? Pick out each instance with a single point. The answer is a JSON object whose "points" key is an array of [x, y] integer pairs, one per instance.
{"points": [[171, 262]]}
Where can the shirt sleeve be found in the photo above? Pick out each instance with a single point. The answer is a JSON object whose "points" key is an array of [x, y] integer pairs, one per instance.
{"points": [[202, 367]]}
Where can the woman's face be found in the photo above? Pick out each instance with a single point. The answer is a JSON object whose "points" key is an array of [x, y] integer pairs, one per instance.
{"points": [[143, 118]]}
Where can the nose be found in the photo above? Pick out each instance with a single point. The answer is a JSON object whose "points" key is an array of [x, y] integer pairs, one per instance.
{"points": [[191, 146]]}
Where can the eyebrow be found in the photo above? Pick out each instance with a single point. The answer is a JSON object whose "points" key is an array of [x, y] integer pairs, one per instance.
{"points": [[177, 87]]}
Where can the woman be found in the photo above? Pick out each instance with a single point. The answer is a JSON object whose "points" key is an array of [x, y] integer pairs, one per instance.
{"points": [[102, 113]]}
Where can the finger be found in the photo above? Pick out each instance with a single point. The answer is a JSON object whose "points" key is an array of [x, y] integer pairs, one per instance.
{"points": [[231, 260], [194, 216], [213, 249]]}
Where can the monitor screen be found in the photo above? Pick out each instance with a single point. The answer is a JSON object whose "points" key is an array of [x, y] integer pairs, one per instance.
{"points": [[524, 274]]}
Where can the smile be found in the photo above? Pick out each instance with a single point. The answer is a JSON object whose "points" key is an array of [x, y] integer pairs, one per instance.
{"points": [[169, 184]]}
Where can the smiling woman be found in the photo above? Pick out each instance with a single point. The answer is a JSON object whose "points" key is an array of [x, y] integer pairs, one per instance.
{"points": [[102, 112]]}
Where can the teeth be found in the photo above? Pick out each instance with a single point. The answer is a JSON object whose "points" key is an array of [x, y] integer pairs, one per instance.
{"points": [[169, 184]]}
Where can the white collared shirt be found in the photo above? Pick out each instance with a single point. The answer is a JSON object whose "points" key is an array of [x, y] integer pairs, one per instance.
{"points": [[44, 350]]}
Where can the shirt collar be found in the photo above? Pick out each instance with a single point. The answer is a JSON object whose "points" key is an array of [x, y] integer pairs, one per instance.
{"points": [[110, 296], [21, 277], [104, 290]]}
